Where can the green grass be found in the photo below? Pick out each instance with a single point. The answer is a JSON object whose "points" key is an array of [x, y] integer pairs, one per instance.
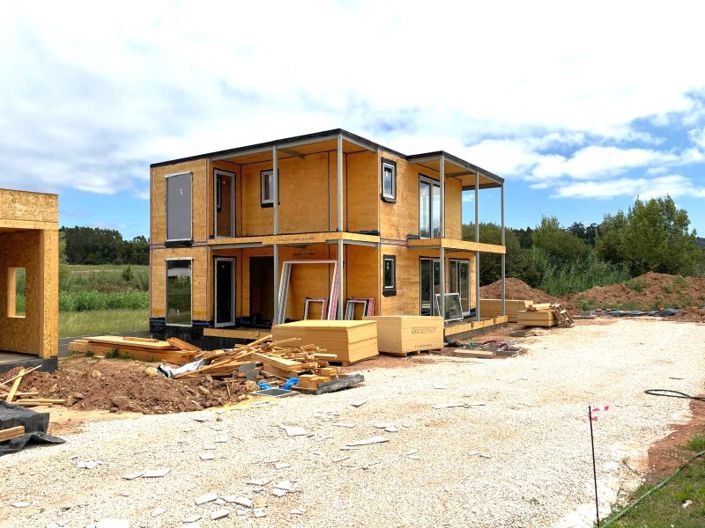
{"points": [[664, 508], [635, 284], [102, 322], [697, 443]]}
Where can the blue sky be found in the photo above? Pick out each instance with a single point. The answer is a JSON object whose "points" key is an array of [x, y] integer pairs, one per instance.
{"points": [[581, 107]]}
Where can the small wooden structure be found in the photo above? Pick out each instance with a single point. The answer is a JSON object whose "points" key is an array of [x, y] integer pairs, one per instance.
{"points": [[29, 280]]}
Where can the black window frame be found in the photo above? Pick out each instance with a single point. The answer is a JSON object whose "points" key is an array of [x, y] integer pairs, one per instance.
{"points": [[389, 290], [269, 202], [385, 197]]}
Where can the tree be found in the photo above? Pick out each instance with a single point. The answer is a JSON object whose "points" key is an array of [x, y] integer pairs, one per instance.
{"points": [[654, 235], [518, 262], [561, 246]]}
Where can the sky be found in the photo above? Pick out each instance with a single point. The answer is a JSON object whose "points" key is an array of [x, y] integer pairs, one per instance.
{"points": [[581, 106]]}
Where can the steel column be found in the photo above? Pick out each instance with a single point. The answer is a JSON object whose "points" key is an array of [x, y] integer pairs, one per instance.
{"points": [[504, 256], [275, 247], [341, 270], [442, 176], [477, 239]]}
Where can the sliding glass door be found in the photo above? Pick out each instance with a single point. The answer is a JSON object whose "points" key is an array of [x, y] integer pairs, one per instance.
{"points": [[430, 285], [459, 282]]}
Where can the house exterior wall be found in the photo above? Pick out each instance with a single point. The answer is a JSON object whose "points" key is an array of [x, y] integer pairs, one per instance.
{"points": [[29, 239]]}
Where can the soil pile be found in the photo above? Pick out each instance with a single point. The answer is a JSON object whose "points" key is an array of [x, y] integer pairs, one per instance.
{"points": [[516, 289], [651, 291], [125, 385]]}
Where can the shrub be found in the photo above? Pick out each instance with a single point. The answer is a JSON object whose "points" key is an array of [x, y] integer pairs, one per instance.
{"points": [[637, 285]]}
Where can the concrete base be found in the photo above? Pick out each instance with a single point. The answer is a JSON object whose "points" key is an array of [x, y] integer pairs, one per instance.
{"points": [[10, 360]]}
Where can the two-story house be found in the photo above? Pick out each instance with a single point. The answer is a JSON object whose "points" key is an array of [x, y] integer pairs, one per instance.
{"points": [[326, 225]]}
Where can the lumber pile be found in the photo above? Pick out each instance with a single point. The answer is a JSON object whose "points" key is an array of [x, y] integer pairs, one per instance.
{"points": [[546, 315], [493, 308], [9, 391], [348, 341], [173, 350], [280, 360]]}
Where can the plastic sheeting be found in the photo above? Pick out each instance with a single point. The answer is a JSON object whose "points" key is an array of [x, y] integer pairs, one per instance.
{"points": [[35, 425]]}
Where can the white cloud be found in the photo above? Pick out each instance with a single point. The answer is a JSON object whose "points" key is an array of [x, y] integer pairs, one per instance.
{"points": [[674, 185], [88, 101]]}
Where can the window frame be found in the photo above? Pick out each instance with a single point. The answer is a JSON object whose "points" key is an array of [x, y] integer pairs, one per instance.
{"points": [[458, 262], [270, 201], [431, 182], [12, 276], [218, 199], [389, 198], [166, 290], [166, 207], [388, 291]]}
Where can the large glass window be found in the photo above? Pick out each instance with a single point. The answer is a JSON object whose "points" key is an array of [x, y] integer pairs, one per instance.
{"points": [[178, 292], [429, 208], [430, 284], [224, 203], [267, 188], [178, 207]]}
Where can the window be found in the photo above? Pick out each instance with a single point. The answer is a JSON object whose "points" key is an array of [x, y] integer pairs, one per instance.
{"points": [[178, 207], [389, 275], [224, 216], [429, 208], [267, 188], [16, 288], [389, 181], [459, 282], [178, 292]]}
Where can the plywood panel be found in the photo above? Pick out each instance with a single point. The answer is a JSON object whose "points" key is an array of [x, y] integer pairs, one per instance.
{"points": [[362, 191], [24, 334], [200, 280], [28, 206], [199, 194]]}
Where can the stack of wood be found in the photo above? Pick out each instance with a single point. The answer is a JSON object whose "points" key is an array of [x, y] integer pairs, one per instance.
{"points": [[9, 391], [545, 314], [276, 359], [493, 308], [172, 350]]}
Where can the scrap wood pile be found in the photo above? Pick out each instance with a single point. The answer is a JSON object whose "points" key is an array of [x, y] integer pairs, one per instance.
{"points": [[545, 314], [172, 350], [485, 349], [281, 360], [9, 392]]}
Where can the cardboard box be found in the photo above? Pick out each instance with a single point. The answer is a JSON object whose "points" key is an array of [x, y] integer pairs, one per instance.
{"points": [[401, 334]]}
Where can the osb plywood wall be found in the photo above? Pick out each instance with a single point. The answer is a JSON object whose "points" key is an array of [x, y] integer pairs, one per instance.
{"points": [[407, 299], [37, 331], [27, 206], [402, 218]]}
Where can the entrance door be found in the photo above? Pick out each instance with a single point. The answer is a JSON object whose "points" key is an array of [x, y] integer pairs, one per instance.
{"points": [[224, 291], [430, 284], [262, 290]]}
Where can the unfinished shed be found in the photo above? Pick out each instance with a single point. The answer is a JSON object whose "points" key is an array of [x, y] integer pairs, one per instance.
{"points": [[29, 281]]}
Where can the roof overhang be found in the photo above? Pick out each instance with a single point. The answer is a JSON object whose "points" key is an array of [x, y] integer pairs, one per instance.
{"points": [[455, 167]]}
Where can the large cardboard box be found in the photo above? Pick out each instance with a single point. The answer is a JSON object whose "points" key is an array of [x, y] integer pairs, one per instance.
{"points": [[537, 318], [401, 334], [350, 341]]}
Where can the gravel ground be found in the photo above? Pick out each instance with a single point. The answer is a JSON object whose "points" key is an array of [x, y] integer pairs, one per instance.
{"points": [[522, 459]]}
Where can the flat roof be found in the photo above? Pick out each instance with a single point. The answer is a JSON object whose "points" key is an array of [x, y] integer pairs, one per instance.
{"points": [[327, 134]]}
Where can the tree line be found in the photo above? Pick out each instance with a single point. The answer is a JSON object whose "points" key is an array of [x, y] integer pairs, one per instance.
{"points": [[93, 245], [652, 235]]}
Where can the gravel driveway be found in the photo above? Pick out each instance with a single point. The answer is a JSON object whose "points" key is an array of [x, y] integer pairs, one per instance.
{"points": [[521, 459]]}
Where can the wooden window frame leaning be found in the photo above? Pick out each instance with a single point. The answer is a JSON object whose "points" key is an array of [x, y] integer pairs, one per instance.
{"points": [[350, 308], [270, 201], [438, 307], [389, 198], [310, 300], [389, 291]]}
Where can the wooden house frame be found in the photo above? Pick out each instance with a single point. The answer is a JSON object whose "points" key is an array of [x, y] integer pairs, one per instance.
{"points": [[29, 252], [233, 217]]}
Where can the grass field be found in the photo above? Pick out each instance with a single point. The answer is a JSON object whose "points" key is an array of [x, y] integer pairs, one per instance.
{"points": [[103, 299], [97, 322]]}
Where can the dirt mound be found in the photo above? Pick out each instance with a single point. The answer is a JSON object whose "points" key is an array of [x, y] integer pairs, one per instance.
{"points": [[651, 291], [124, 385], [516, 289]]}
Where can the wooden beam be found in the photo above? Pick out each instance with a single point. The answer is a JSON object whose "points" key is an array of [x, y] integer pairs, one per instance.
{"points": [[292, 153], [12, 432]]}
